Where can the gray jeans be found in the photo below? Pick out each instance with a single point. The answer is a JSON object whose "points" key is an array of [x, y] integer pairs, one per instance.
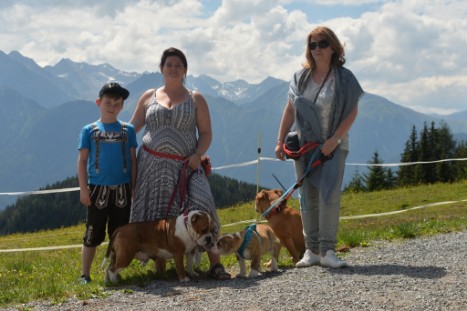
{"points": [[320, 220]]}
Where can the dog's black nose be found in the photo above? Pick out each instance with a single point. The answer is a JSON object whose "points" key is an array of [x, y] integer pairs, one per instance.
{"points": [[208, 240]]}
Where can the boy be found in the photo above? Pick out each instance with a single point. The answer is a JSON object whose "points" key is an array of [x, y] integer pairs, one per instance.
{"points": [[106, 172]]}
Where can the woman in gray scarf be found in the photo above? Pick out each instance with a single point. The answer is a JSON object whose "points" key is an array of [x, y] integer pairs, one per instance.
{"points": [[322, 106]]}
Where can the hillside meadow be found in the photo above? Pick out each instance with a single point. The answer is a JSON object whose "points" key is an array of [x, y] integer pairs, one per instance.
{"points": [[53, 274]]}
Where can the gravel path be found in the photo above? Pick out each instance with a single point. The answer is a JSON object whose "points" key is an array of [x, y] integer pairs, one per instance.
{"points": [[422, 274]]}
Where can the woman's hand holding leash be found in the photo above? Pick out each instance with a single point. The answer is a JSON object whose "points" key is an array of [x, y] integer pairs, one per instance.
{"points": [[194, 161]]}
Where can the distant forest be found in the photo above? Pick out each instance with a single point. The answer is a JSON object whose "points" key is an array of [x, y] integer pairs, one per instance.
{"points": [[429, 149], [49, 211]]}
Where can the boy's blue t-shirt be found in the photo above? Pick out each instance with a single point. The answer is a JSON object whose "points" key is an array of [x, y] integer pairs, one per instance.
{"points": [[108, 168]]}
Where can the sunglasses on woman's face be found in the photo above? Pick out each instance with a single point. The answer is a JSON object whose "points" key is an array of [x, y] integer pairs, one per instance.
{"points": [[320, 44]]}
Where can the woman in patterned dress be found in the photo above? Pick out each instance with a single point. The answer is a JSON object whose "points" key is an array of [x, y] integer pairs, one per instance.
{"points": [[177, 133]]}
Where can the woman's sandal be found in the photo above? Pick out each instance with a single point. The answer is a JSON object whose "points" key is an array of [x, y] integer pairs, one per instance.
{"points": [[218, 272]]}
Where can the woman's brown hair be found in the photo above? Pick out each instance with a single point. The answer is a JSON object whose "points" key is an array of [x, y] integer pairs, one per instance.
{"points": [[338, 57], [173, 52]]}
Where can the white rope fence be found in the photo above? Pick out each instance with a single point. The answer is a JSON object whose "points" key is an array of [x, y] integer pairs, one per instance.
{"points": [[242, 164]]}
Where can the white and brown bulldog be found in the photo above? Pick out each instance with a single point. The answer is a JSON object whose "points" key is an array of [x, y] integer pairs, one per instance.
{"points": [[173, 238], [250, 244], [285, 221]]}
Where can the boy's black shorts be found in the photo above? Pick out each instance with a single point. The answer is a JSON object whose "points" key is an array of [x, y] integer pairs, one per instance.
{"points": [[110, 206]]}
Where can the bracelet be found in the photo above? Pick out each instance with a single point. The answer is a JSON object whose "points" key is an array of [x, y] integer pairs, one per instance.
{"points": [[279, 142]]}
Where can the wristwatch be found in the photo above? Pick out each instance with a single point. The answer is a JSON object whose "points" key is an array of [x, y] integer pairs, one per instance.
{"points": [[338, 140]]}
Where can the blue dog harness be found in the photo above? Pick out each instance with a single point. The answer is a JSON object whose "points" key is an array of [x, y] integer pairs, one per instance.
{"points": [[250, 230]]}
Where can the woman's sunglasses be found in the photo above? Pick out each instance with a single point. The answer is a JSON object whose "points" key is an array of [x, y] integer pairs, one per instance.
{"points": [[320, 44]]}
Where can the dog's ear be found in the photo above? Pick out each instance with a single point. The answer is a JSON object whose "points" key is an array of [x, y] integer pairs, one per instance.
{"points": [[278, 192], [261, 195]]}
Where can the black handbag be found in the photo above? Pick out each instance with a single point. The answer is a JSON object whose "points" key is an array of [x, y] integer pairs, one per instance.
{"points": [[292, 146]]}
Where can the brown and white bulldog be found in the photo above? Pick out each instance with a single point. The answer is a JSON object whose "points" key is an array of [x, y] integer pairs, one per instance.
{"points": [[263, 240], [173, 238], [285, 221]]}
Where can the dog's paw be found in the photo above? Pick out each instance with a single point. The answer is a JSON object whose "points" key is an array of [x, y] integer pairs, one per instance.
{"points": [[268, 264], [111, 278], [274, 267], [185, 280], [253, 273], [240, 275]]}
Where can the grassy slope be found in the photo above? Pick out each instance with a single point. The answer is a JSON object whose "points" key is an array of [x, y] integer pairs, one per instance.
{"points": [[52, 275]]}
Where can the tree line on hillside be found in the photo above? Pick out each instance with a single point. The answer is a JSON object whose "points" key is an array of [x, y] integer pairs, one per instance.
{"points": [[431, 145], [32, 213]]}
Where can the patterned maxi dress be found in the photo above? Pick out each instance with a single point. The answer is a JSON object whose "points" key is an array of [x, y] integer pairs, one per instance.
{"points": [[170, 131]]}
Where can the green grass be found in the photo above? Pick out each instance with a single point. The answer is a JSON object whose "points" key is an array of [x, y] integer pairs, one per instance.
{"points": [[52, 275]]}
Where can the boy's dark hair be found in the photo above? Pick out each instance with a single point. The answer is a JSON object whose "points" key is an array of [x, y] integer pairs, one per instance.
{"points": [[115, 90]]}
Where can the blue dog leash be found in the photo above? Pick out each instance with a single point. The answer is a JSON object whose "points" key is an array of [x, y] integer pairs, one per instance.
{"points": [[315, 156]]}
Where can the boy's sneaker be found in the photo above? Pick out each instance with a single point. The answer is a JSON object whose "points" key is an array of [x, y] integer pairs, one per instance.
{"points": [[332, 261], [84, 279], [309, 259]]}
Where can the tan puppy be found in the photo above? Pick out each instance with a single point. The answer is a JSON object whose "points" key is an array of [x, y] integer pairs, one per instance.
{"points": [[171, 238], [285, 221], [262, 241]]}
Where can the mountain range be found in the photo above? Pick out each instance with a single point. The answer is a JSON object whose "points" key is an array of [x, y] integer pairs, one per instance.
{"points": [[42, 110]]}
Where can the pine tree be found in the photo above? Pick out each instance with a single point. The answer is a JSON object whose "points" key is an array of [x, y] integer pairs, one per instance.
{"points": [[434, 145], [460, 167], [376, 178], [424, 173], [444, 149], [357, 184], [406, 174], [391, 179]]}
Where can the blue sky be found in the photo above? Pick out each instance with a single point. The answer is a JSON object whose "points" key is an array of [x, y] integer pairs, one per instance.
{"points": [[410, 51]]}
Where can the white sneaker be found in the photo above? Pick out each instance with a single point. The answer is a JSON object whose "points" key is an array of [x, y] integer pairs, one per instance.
{"points": [[309, 259], [332, 261]]}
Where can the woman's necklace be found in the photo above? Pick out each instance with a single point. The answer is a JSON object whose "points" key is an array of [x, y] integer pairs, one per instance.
{"points": [[321, 86], [322, 76]]}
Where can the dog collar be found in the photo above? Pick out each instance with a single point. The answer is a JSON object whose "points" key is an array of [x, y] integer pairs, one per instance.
{"points": [[185, 221], [276, 210]]}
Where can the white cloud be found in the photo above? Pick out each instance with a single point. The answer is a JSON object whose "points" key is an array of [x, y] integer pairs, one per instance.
{"points": [[343, 2], [410, 51]]}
